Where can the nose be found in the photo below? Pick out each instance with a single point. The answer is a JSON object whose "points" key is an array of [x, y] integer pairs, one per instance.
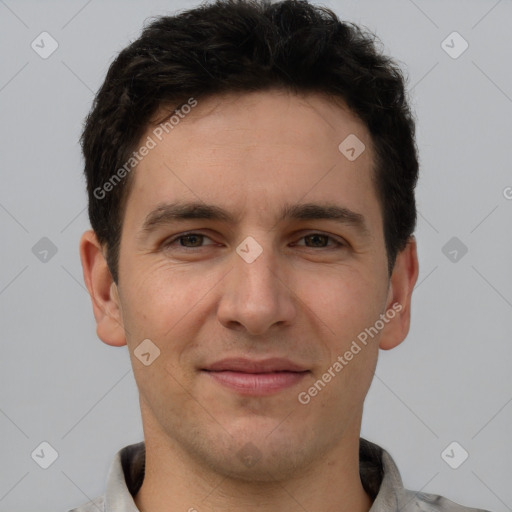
{"points": [[256, 296]]}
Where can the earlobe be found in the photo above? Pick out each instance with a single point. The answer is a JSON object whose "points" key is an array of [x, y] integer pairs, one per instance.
{"points": [[103, 291], [403, 280]]}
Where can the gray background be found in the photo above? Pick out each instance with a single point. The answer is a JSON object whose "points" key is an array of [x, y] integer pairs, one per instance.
{"points": [[450, 381]]}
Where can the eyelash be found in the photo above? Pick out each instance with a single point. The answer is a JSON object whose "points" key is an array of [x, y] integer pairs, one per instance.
{"points": [[170, 242]]}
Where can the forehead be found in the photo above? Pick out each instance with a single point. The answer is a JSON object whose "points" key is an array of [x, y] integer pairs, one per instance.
{"points": [[253, 152], [275, 117]]}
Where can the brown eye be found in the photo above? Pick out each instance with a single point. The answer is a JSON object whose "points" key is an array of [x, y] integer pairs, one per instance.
{"points": [[187, 241], [317, 240], [193, 240], [320, 241]]}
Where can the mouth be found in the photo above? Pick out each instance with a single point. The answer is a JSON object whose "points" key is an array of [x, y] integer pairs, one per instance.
{"points": [[250, 377]]}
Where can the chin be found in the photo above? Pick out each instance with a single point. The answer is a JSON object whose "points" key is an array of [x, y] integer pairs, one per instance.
{"points": [[265, 468], [259, 454]]}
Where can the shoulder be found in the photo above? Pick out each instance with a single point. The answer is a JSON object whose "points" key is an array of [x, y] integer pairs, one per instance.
{"points": [[96, 505], [381, 479], [423, 502]]}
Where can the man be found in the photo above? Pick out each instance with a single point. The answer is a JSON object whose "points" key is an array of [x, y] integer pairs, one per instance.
{"points": [[251, 171]]}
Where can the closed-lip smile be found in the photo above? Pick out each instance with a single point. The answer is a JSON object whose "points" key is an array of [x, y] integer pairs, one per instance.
{"points": [[256, 377]]}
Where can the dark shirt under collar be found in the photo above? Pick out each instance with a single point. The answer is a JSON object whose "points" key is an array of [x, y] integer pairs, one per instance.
{"points": [[379, 475]]}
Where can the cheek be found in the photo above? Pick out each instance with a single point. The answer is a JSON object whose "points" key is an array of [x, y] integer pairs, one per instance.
{"points": [[167, 306], [351, 305], [344, 300]]}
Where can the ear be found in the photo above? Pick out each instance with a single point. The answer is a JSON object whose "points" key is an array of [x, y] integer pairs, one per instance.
{"points": [[402, 282], [103, 291]]}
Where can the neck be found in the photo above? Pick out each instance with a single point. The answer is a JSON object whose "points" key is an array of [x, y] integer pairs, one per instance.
{"points": [[174, 480]]}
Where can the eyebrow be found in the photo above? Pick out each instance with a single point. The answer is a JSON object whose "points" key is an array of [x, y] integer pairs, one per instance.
{"points": [[167, 213]]}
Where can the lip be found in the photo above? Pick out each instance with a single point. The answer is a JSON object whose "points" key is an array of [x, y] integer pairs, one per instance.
{"points": [[241, 364], [257, 378]]}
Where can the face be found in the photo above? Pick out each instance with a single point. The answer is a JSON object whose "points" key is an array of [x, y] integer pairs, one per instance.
{"points": [[253, 296]]}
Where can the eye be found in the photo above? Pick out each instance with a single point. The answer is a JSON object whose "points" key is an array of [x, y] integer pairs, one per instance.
{"points": [[194, 240], [320, 240], [187, 240]]}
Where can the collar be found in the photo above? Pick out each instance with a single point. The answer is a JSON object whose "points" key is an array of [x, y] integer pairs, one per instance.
{"points": [[379, 475]]}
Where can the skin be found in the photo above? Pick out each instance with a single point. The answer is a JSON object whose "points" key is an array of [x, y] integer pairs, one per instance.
{"points": [[304, 298]]}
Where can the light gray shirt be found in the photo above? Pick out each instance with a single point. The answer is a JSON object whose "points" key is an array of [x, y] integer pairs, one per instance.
{"points": [[379, 475]]}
